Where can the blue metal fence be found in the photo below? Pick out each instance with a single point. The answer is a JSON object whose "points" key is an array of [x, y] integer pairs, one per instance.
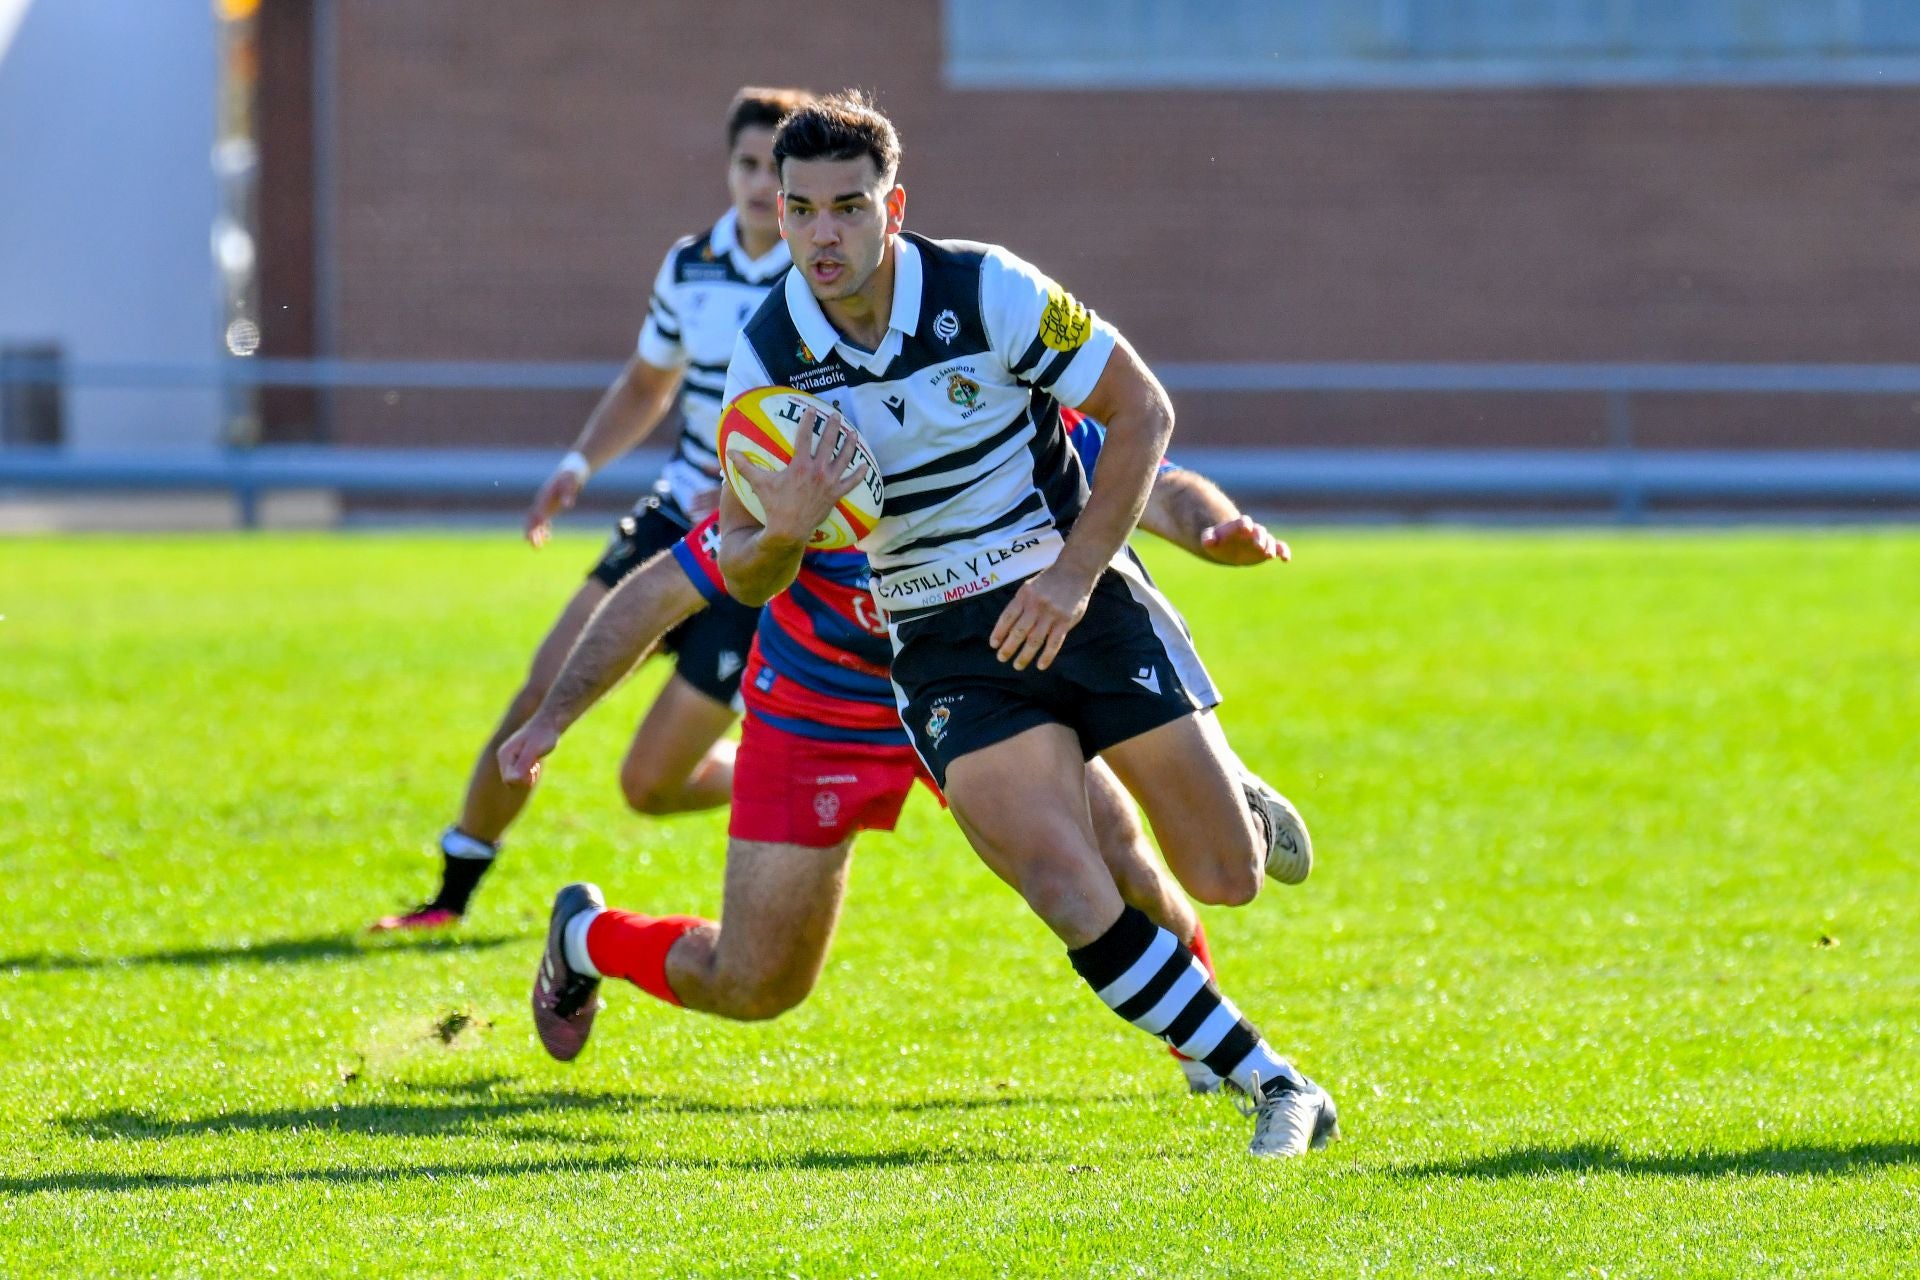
{"points": [[1620, 473]]}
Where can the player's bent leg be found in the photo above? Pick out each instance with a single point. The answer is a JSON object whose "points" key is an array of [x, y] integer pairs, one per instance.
{"points": [[1145, 884], [1216, 837], [777, 918], [1123, 847], [677, 761], [490, 806], [1022, 803], [760, 959]]}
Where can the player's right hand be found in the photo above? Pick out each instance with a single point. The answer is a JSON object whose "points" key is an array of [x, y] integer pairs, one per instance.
{"points": [[556, 495], [798, 498], [520, 756]]}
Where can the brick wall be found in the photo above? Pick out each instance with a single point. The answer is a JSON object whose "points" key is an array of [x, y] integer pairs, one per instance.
{"points": [[506, 186]]}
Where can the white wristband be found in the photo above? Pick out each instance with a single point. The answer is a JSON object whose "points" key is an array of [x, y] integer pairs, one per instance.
{"points": [[576, 465]]}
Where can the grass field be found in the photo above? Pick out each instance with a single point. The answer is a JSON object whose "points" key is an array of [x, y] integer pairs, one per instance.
{"points": [[1611, 957]]}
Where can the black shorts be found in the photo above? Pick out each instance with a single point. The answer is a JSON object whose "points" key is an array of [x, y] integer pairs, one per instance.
{"points": [[1129, 666], [710, 648]]}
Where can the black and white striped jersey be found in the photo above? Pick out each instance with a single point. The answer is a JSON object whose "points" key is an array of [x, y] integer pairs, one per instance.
{"points": [[706, 290], [960, 405]]}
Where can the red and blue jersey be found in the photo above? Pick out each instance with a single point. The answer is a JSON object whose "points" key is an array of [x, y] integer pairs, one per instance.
{"points": [[820, 661]]}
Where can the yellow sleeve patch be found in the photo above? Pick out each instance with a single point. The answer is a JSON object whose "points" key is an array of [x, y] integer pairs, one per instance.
{"points": [[1065, 324]]}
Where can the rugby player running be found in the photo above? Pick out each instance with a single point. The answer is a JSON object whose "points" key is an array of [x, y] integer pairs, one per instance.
{"points": [[1025, 639], [822, 757], [706, 289]]}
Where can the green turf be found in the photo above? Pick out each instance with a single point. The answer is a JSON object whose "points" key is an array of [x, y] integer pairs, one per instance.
{"points": [[1611, 957]]}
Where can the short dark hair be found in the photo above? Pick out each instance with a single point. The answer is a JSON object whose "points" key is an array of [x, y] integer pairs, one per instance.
{"points": [[755, 107], [840, 126]]}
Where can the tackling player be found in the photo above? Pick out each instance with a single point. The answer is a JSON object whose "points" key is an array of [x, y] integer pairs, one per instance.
{"points": [[1025, 642], [822, 757], [706, 289]]}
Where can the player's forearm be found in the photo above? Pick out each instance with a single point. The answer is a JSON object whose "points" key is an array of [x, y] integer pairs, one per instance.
{"points": [[759, 564], [622, 631], [1137, 438], [1183, 506], [627, 414]]}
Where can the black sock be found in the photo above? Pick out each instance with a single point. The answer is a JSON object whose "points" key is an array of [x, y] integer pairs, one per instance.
{"points": [[460, 873], [1143, 974]]}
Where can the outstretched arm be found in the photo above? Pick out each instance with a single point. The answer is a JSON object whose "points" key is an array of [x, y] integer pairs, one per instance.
{"points": [[1190, 511], [631, 408], [651, 601]]}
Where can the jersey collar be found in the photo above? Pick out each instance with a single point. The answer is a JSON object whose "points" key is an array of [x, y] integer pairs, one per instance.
{"points": [[725, 238], [821, 337]]}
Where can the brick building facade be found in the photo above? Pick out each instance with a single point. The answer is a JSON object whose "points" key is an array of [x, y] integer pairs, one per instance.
{"points": [[482, 185]]}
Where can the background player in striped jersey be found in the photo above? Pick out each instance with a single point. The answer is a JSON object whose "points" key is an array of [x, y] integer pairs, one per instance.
{"points": [[707, 287], [1025, 641], [823, 757]]}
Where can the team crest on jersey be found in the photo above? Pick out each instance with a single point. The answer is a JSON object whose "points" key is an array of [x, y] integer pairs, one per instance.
{"points": [[962, 390], [806, 353], [946, 326], [1065, 324], [710, 541]]}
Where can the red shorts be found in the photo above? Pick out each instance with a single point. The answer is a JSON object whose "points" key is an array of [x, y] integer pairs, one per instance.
{"points": [[793, 790]]}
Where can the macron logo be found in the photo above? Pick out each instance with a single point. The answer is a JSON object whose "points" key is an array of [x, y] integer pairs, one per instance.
{"points": [[1148, 679]]}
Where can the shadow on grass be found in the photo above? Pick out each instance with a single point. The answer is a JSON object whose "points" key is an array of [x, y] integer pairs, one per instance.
{"points": [[271, 951], [401, 1118], [803, 1160], [1533, 1162]]}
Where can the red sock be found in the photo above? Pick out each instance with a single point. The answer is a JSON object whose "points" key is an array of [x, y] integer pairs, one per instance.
{"points": [[1199, 948], [624, 944]]}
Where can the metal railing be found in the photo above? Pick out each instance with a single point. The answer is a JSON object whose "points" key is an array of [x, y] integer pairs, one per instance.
{"points": [[1619, 472]]}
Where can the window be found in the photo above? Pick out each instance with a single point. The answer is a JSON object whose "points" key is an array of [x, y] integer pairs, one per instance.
{"points": [[1220, 44]]}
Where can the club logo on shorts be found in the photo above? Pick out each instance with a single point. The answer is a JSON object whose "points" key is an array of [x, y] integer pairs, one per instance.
{"points": [[729, 663], [962, 390], [826, 807], [937, 724], [946, 326]]}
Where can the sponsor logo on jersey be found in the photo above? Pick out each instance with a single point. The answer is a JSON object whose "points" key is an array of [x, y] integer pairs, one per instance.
{"points": [[823, 378], [1065, 324], [897, 406], [946, 326]]}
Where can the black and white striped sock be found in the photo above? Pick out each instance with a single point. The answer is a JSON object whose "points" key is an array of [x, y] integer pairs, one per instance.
{"points": [[1143, 974]]}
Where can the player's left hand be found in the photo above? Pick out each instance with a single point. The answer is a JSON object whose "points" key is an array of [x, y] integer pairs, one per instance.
{"points": [[1036, 622], [1242, 541], [520, 755]]}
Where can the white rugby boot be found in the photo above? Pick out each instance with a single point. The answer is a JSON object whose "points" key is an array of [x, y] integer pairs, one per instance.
{"points": [[1292, 1119], [1289, 847]]}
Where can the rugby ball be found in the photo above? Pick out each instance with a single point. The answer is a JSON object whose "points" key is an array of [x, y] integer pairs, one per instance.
{"points": [[761, 425]]}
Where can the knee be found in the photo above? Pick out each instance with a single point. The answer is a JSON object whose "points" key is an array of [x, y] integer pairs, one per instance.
{"points": [[1226, 886], [762, 1002], [646, 792]]}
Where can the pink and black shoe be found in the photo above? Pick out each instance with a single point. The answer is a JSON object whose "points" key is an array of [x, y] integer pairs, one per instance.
{"points": [[425, 918]]}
